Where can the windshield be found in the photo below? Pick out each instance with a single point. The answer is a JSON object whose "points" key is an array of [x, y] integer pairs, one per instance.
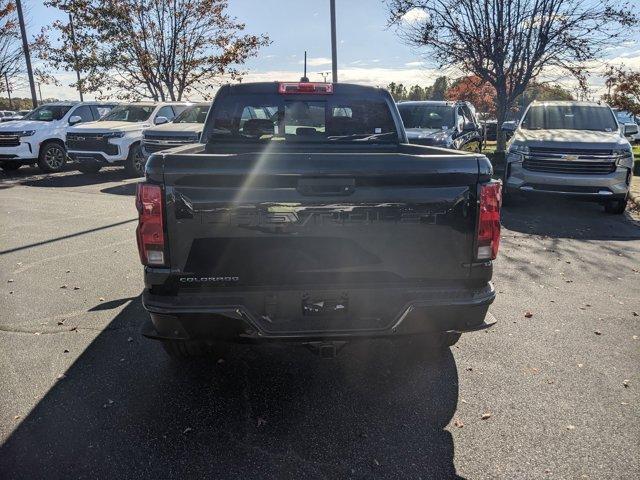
{"points": [[197, 114], [624, 117], [569, 117], [129, 113], [327, 118], [439, 117], [48, 113]]}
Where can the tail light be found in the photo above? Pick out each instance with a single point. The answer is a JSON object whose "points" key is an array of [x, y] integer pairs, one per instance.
{"points": [[306, 87], [488, 238], [150, 231]]}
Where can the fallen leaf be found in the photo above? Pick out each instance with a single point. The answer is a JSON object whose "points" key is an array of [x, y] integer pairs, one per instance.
{"points": [[73, 329], [635, 314], [101, 299], [486, 416], [626, 384], [528, 314], [570, 427], [76, 288], [598, 332], [63, 286], [10, 280], [65, 351], [61, 322], [458, 423], [37, 333], [16, 417], [68, 271], [580, 365], [61, 376]]}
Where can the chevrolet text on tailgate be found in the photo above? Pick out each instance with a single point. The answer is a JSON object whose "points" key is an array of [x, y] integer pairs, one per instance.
{"points": [[306, 216]]}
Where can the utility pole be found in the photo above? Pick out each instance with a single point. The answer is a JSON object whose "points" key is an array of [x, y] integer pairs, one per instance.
{"points": [[334, 52], [304, 77], [27, 57], [6, 80], [40, 91], [75, 55]]}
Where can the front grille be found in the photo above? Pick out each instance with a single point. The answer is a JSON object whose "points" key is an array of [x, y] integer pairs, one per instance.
{"points": [[9, 140], [578, 161], [569, 166], [561, 153], [90, 142], [157, 143], [155, 147]]}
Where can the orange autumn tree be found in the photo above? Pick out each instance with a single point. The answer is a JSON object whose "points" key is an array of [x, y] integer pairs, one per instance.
{"points": [[472, 89]]}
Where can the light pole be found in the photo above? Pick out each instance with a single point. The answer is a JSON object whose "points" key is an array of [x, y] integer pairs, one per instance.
{"points": [[75, 55], [27, 57], [334, 52]]}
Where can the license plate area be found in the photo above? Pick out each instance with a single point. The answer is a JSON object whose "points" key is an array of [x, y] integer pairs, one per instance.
{"points": [[315, 305]]}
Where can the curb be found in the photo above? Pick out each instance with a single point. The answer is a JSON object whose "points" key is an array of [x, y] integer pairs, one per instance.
{"points": [[634, 191]]}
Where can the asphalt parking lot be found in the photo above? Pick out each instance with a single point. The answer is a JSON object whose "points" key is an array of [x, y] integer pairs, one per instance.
{"points": [[83, 395]]}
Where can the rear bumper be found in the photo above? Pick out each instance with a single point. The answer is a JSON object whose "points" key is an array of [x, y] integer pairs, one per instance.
{"points": [[279, 315]]}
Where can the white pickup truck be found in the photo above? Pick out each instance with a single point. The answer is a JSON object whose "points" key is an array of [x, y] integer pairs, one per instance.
{"points": [[116, 138], [39, 136]]}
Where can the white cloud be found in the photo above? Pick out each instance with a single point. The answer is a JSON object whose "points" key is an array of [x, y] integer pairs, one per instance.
{"points": [[375, 60], [414, 64], [415, 15], [316, 62]]}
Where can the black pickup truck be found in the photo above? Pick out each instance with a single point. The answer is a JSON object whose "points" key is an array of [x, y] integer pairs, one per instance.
{"points": [[306, 216]]}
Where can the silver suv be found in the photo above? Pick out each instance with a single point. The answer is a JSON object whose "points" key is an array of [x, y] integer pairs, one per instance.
{"points": [[570, 148]]}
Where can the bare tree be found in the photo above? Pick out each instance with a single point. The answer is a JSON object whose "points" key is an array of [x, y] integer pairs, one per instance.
{"points": [[10, 49], [162, 49], [509, 43]]}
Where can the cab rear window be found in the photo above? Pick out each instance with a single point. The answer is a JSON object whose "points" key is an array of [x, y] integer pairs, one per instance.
{"points": [[327, 118]]}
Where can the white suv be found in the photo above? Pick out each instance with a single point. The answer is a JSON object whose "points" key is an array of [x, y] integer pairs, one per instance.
{"points": [[116, 138], [39, 136]]}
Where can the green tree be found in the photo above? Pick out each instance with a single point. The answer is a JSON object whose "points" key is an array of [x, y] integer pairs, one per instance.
{"points": [[439, 89]]}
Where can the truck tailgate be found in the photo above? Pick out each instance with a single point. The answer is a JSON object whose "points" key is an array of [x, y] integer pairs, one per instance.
{"points": [[327, 219]]}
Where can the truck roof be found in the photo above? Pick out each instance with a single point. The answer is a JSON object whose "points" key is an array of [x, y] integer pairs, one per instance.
{"points": [[559, 103], [271, 87]]}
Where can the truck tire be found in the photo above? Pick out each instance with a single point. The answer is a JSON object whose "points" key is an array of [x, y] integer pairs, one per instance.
{"points": [[10, 166], [87, 167], [52, 157], [616, 207], [134, 165]]}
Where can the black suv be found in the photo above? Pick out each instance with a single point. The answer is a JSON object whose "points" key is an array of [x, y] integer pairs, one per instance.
{"points": [[442, 124]]}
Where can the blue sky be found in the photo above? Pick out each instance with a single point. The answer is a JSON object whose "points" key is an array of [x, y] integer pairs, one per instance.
{"points": [[368, 52]]}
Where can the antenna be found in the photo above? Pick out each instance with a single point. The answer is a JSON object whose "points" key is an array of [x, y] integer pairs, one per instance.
{"points": [[305, 78]]}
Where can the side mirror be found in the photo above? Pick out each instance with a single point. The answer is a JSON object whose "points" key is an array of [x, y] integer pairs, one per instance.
{"points": [[161, 120], [509, 127], [630, 129], [75, 119]]}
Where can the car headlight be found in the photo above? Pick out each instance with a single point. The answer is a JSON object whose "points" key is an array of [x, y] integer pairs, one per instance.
{"points": [[26, 133], [624, 157], [519, 149], [114, 135]]}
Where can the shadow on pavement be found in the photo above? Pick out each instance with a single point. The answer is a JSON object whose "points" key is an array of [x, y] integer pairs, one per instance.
{"points": [[567, 218], [124, 410], [126, 189]]}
